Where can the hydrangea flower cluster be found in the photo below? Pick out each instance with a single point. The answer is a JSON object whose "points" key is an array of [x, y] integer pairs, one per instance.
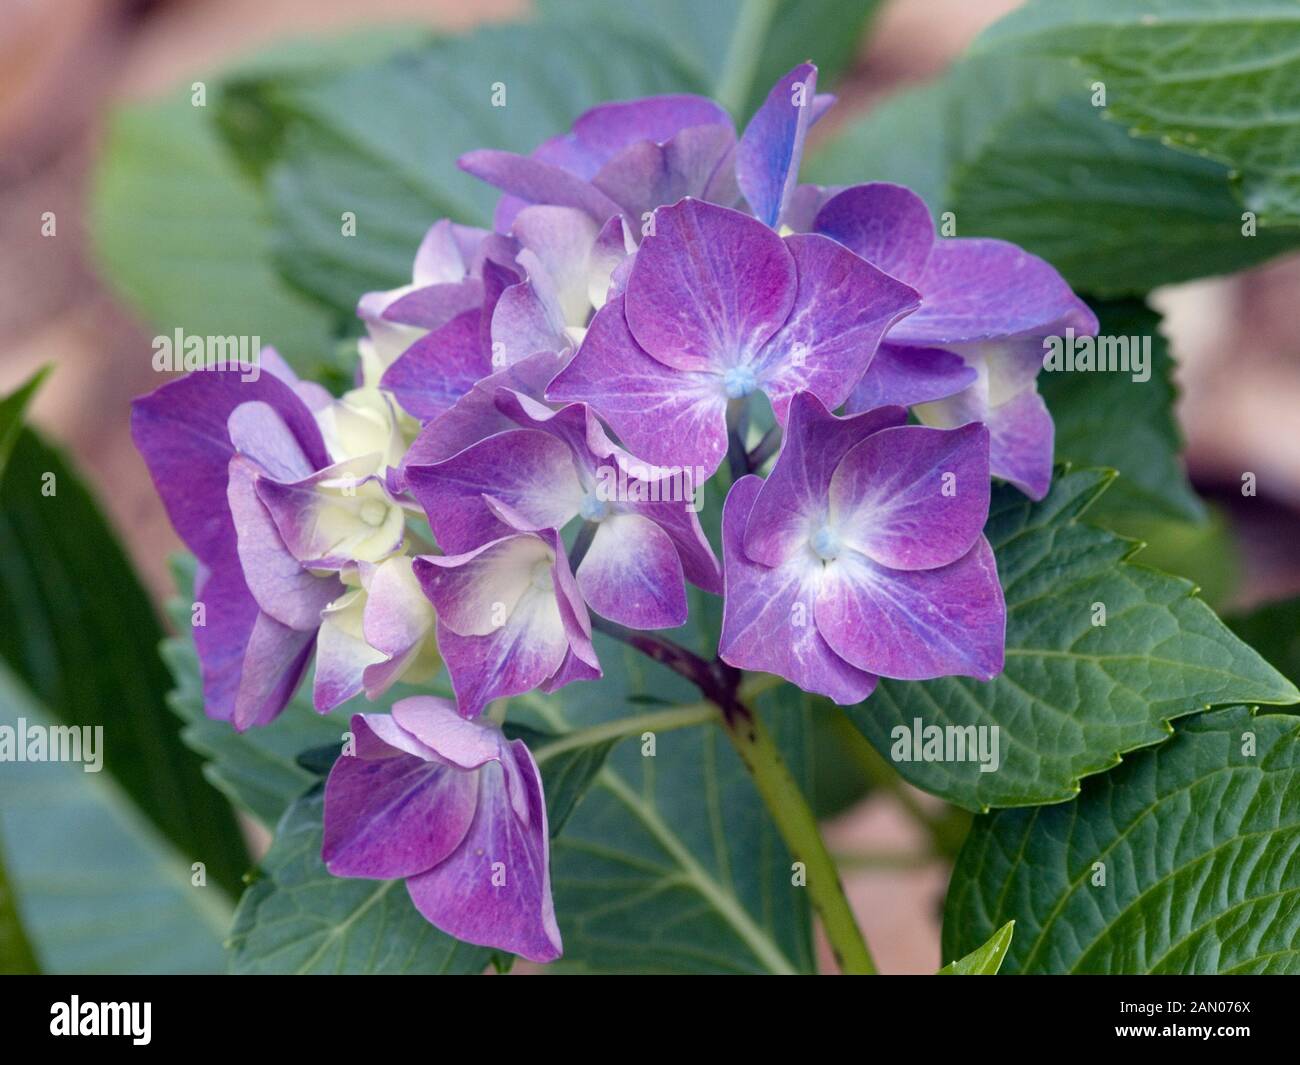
{"points": [[535, 401]]}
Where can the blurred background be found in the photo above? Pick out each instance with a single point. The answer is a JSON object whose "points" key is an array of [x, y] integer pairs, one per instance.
{"points": [[64, 64]]}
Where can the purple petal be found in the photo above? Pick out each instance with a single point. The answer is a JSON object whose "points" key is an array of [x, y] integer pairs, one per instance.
{"points": [[708, 287], [274, 663], [397, 614], [230, 611], [767, 159], [537, 182], [768, 621], [495, 890], [607, 129], [257, 431], [531, 472], [915, 624], [843, 307], [392, 814], [475, 416], [335, 516], [519, 656], [1020, 427], [435, 305], [1020, 449], [666, 416], [676, 513], [279, 583], [473, 591], [181, 429], [888, 225], [631, 574], [447, 253], [913, 497], [649, 175], [342, 653], [524, 323], [795, 497], [557, 245], [612, 247], [508, 614], [906, 376], [435, 724], [804, 203], [977, 289], [439, 368]]}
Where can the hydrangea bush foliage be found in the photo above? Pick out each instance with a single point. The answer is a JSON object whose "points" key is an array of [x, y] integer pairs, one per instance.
{"points": [[627, 495]]}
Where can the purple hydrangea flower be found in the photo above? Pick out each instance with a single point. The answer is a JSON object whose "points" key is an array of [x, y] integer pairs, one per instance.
{"points": [[622, 158], [209, 439], [861, 555], [455, 809], [558, 466], [716, 307], [632, 157], [973, 349], [295, 539], [510, 617]]}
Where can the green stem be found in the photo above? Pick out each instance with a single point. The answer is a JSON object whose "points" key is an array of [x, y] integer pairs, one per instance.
{"points": [[654, 721], [743, 53], [722, 684], [798, 827], [581, 544]]}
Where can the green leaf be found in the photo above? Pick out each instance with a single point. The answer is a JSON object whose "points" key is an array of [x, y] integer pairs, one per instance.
{"points": [[739, 48], [1074, 695], [1220, 78], [1109, 419], [12, 409], [101, 889], [297, 918], [1015, 150], [247, 109], [16, 954], [185, 237], [669, 864], [1179, 861], [1274, 631], [382, 141], [985, 960], [80, 632]]}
